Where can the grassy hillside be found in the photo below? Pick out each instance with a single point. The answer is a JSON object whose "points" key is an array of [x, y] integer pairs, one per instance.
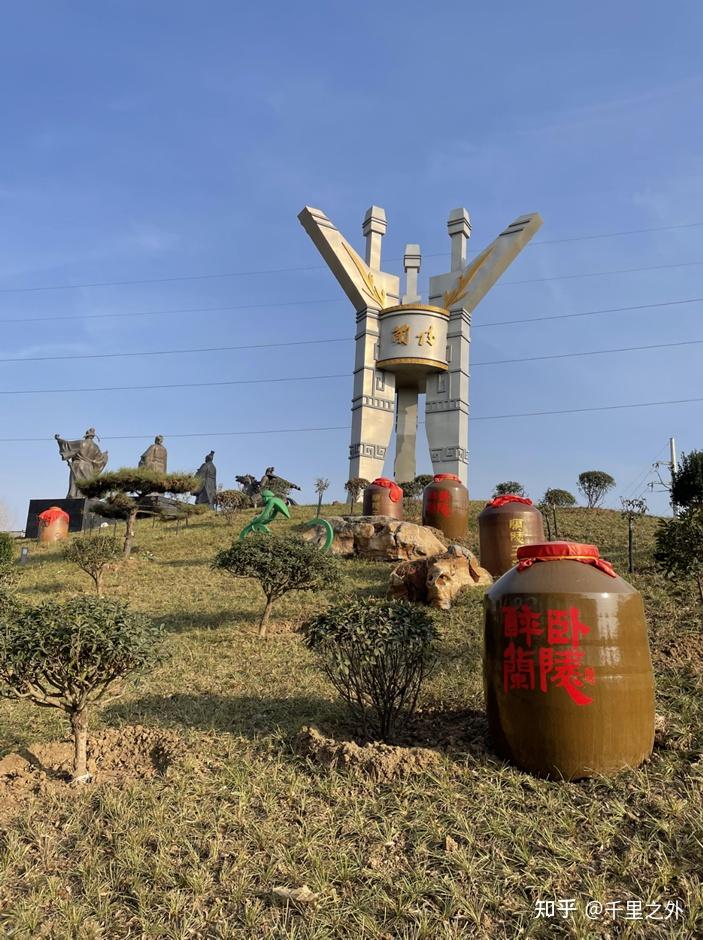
{"points": [[464, 849]]}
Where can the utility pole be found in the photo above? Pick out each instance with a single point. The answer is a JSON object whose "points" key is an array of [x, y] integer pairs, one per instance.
{"points": [[674, 465]]}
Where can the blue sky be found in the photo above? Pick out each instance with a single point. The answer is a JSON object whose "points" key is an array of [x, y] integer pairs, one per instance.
{"points": [[146, 141]]}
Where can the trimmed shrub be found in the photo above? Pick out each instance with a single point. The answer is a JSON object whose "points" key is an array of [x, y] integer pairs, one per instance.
{"points": [[94, 555], [123, 489], [230, 502], [279, 565], [376, 653], [70, 655]]}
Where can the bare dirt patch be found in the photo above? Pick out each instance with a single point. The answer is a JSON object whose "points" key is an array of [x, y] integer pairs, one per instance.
{"points": [[115, 755], [380, 762]]}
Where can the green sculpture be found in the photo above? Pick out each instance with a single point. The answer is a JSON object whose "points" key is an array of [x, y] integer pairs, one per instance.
{"points": [[273, 506]]}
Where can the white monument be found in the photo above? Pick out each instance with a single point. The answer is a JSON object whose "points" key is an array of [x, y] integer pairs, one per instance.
{"points": [[405, 347]]}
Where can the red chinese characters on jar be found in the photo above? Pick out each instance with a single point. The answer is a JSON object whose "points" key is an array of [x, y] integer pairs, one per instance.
{"points": [[439, 502], [558, 664]]}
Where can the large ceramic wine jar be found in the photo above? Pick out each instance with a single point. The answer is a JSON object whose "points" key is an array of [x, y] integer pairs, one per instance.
{"points": [[53, 524], [504, 525], [383, 497], [445, 505], [567, 670]]}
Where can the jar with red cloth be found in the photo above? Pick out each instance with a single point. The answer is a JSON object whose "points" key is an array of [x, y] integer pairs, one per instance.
{"points": [[504, 525], [566, 665], [383, 497], [53, 524], [445, 505]]}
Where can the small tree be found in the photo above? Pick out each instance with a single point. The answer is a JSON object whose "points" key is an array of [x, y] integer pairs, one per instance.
{"points": [[124, 488], [687, 484], [679, 546], [279, 565], [552, 499], [411, 489], [376, 653], [559, 498], [70, 655], [355, 487], [631, 509], [594, 484], [94, 555], [321, 486], [509, 488]]}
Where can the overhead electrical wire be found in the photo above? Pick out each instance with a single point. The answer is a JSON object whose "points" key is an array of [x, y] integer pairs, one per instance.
{"points": [[345, 427], [291, 303], [207, 349], [290, 270]]}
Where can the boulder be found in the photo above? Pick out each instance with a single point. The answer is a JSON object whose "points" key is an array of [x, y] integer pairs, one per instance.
{"points": [[381, 538], [438, 579]]}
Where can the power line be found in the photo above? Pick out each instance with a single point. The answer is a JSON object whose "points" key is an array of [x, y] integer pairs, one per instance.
{"points": [[175, 352], [145, 388], [307, 342], [589, 352], [295, 303], [317, 267], [158, 313], [588, 313], [345, 427]]}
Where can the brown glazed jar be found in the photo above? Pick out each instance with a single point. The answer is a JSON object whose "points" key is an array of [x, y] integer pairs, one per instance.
{"points": [[445, 505], [383, 497], [566, 667], [504, 525], [53, 524]]}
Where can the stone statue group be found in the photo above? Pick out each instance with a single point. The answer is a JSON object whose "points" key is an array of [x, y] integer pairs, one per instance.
{"points": [[86, 460]]}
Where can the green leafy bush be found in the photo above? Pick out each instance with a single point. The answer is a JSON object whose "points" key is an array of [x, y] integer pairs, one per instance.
{"points": [[7, 548], [679, 546], [376, 653], [279, 565], [230, 502], [70, 655], [687, 485], [94, 555]]}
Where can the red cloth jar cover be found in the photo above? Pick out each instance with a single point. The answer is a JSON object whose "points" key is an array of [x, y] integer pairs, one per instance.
{"points": [[396, 494], [509, 498], [527, 555], [446, 476], [52, 514]]}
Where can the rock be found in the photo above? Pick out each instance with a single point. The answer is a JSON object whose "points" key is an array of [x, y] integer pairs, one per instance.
{"points": [[381, 538], [438, 579], [301, 895]]}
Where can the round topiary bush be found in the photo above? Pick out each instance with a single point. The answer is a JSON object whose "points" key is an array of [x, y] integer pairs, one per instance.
{"points": [[279, 565], [70, 655], [94, 554], [376, 653]]}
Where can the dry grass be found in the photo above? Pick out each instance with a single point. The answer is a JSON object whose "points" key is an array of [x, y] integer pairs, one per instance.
{"points": [[462, 850]]}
